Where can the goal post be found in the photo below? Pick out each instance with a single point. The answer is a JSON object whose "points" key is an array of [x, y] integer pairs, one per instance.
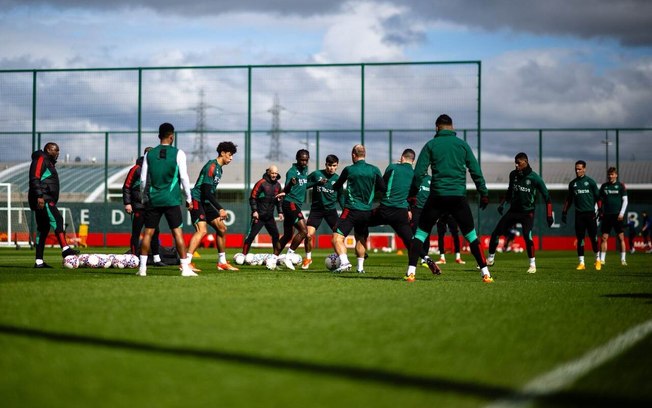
{"points": [[14, 222]]}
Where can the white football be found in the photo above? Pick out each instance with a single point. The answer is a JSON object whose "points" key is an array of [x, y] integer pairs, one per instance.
{"points": [[296, 258], [71, 262], [93, 261], [239, 258], [105, 260], [118, 261], [83, 260], [270, 262], [332, 262], [249, 258]]}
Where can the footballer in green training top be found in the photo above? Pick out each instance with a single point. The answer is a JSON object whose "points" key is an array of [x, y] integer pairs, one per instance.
{"points": [[584, 193], [324, 202], [362, 180], [613, 195], [205, 207], [521, 195], [296, 180]]}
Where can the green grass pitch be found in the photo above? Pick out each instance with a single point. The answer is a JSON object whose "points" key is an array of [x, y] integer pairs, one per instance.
{"points": [[106, 338]]}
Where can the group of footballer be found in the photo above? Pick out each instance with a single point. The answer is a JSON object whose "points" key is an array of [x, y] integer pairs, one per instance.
{"points": [[414, 194]]}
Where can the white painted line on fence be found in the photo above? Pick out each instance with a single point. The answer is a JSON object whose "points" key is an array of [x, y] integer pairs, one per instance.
{"points": [[560, 377]]}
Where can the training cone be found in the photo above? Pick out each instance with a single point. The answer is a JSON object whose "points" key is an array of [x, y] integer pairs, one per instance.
{"points": [[399, 252]]}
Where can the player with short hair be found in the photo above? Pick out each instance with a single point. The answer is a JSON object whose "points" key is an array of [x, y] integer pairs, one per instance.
{"points": [[43, 196], [613, 195], [521, 195], [133, 204], [324, 202], [362, 180], [206, 209], [262, 200], [294, 194], [163, 174], [394, 207], [448, 158], [584, 193]]}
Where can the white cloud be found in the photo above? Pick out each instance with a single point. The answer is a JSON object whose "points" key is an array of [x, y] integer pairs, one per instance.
{"points": [[358, 35]]}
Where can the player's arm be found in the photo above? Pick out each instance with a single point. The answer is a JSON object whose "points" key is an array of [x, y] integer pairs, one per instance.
{"points": [[183, 175], [623, 206], [253, 197], [567, 203], [541, 186], [476, 172], [36, 170], [143, 176], [128, 185], [421, 168]]}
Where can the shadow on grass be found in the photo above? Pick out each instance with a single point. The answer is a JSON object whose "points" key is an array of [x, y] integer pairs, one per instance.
{"points": [[647, 296], [486, 391]]}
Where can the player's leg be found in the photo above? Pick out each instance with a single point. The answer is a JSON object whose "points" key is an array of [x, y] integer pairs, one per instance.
{"points": [[527, 221], [43, 229], [288, 227], [441, 239], [56, 222], [137, 223], [361, 231], [220, 231], [175, 219], [455, 234], [502, 228], [605, 229], [464, 218], [152, 216], [254, 228], [580, 229], [430, 213], [342, 229], [155, 245]]}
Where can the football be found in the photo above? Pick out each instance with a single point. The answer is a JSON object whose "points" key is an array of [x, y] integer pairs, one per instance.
{"points": [[71, 262], [332, 262], [249, 258], [118, 261], [83, 260], [239, 258], [94, 261], [105, 260], [296, 258], [270, 262], [131, 261]]}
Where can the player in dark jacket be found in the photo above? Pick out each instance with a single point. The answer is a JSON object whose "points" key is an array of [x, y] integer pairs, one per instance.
{"points": [[132, 200], [521, 195], [263, 201], [43, 196]]}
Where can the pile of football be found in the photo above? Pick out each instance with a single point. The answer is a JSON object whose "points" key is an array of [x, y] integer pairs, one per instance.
{"points": [[96, 261]]}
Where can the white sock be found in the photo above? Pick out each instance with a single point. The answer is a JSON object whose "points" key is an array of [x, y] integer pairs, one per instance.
{"points": [[185, 262], [532, 261], [63, 248], [457, 255], [412, 270], [442, 257], [308, 255], [344, 260], [603, 256], [290, 251], [361, 264], [622, 256], [189, 256], [157, 258], [143, 263], [581, 259], [491, 257], [222, 257], [485, 271], [39, 261]]}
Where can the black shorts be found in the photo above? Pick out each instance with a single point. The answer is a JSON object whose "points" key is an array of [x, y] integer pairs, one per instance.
{"points": [[609, 222], [457, 206], [198, 212], [172, 216], [355, 220], [317, 215], [392, 216], [291, 213]]}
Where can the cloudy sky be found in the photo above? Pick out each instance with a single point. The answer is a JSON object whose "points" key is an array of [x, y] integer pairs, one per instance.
{"points": [[554, 63]]}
